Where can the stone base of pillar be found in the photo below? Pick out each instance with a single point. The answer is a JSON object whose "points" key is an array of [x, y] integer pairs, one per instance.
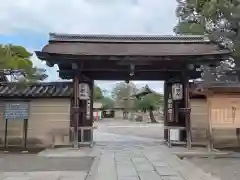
{"points": [[84, 136]]}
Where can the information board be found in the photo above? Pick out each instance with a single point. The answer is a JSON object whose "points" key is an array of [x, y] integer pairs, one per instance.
{"points": [[16, 110]]}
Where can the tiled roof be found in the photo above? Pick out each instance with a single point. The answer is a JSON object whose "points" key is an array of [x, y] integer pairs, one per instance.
{"points": [[126, 38], [52, 89], [221, 87], [3, 78], [106, 45], [144, 91], [129, 49]]}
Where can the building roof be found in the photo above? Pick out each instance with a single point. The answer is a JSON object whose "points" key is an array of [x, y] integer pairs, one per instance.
{"points": [[118, 45], [215, 87], [97, 105], [46, 89], [109, 57], [143, 91]]}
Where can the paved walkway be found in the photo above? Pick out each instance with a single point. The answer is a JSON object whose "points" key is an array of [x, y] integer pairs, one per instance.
{"points": [[117, 157], [133, 158], [33, 167]]}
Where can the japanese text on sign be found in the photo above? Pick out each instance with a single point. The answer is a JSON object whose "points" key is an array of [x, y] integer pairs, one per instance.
{"points": [[16, 110]]}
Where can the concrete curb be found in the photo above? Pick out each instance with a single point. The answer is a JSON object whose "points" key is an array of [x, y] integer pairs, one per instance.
{"points": [[196, 154]]}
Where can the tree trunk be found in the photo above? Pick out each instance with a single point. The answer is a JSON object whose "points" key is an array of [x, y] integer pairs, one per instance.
{"points": [[125, 115], [152, 118]]}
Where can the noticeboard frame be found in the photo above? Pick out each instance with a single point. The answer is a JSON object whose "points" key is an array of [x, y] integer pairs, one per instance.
{"points": [[10, 114]]}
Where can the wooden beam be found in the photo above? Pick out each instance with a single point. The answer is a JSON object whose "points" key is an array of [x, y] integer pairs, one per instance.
{"points": [[74, 66], [124, 70], [150, 76], [55, 58]]}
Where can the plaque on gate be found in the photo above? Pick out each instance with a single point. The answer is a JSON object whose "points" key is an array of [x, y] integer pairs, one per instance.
{"points": [[88, 110], [84, 91], [177, 91]]}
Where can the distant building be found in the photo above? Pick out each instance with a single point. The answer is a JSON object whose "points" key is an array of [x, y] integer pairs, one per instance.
{"points": [[97, 110]]}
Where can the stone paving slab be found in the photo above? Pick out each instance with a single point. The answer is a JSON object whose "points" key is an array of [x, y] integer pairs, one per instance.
{"points": [[144, 167], [32, 162], [126, 171], [129, 178], [172, 178], [167, 171], [159, 163], [106, 168], [70, 152], [147, 175]]}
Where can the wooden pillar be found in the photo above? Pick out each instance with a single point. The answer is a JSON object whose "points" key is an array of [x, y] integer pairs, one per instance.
{"points": [[187, 110], [75, 107], [165, 111], [91, 101]]}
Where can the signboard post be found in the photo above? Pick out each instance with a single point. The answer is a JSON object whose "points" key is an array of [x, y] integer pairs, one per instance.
{"points": [[17, 111]]}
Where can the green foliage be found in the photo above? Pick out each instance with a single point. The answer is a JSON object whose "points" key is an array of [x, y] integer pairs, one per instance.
{"points": [[149, 102], [123, 90], [122, 94], [219, 19], [107, 103], [190, 28], [97, 94], [15, 60]]}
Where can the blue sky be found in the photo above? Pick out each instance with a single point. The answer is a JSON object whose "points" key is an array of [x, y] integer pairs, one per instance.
{"points": [[28, 24]]}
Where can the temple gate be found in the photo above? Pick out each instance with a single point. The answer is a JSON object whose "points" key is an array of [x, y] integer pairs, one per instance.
{"points": [[173, 59]]}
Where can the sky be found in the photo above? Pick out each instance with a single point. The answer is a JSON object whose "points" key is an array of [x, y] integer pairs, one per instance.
{"points": [[28, 24]]}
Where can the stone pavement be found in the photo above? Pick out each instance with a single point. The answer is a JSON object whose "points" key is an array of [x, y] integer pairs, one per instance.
{"points": [[117, 157], [134, 158], [58, 164], [44, 175]]}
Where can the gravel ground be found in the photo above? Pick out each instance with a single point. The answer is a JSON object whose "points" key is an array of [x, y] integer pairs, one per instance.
{"points": [[225, 168], [30, 162], [125, 127]]}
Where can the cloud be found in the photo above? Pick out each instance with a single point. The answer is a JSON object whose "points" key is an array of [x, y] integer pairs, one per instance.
{"points": [[88, 17]]}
